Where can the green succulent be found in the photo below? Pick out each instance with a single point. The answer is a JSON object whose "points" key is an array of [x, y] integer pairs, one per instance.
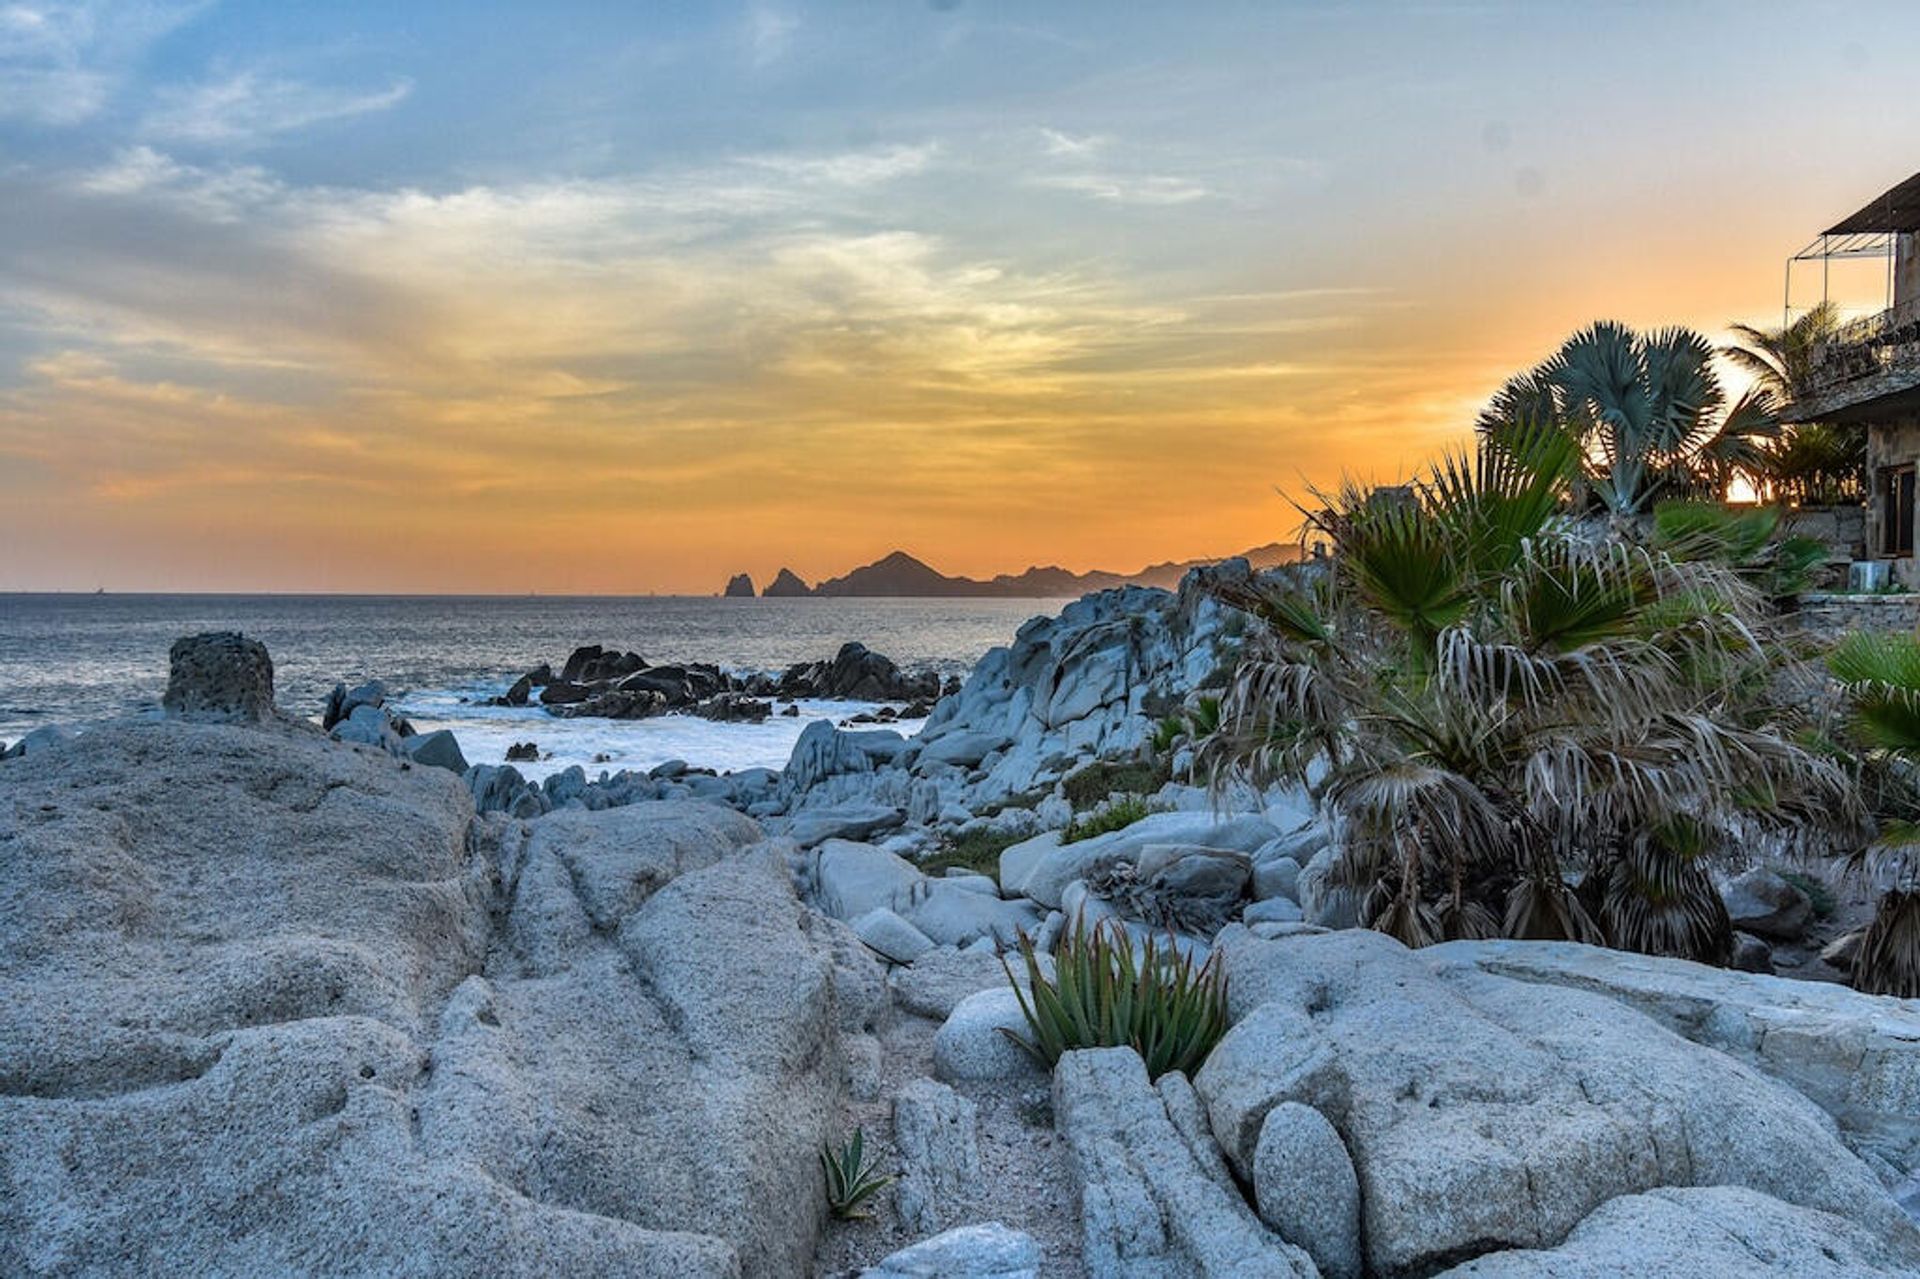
{"points": [[1103, 995], [852, 1178]]}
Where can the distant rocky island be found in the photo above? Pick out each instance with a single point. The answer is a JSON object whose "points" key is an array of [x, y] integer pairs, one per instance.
{"points": [[900, 574]]}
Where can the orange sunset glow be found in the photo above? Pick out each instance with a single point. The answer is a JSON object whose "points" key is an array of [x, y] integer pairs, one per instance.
{"points": [[600, 305]]}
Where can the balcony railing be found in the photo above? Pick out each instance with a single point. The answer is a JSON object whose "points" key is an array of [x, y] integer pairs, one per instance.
{"points": [[1866, 347]]}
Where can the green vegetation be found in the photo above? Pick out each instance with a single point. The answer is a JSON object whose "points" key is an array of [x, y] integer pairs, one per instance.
{"points": [[1120, 814], [1189, 723], [976, 850], [852, 1179], [1093, 783], [1169, 1010], [1529, 729], [1746, 540], [1882, 677]]}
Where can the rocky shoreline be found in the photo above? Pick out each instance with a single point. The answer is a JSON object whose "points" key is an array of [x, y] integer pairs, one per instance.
{"points": [[277, 998], [597, 682]]}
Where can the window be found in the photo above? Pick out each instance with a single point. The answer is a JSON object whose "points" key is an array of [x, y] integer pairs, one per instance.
{"points": [[1896, 510]]}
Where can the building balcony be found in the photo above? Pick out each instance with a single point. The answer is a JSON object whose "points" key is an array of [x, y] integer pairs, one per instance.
{"points": [[1869, 371]]}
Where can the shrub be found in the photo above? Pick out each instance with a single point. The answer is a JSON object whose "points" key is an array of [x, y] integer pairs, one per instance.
{"points": [[1118, 815], [1529, 728], [1102, 995], [1094, 782], [851, 1177]]}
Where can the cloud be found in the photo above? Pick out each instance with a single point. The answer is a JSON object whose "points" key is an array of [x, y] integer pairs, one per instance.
{"points": [[769, 32], [1115, 188], [248, 108], [854, 168], [730, 339], [61, 61], [1066, 144]]}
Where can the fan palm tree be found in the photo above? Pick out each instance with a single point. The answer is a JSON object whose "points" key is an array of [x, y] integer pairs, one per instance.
{"points": [[1781, 360], [1646, 411], [1810, 462], [1525, 732], [1881, 673]]}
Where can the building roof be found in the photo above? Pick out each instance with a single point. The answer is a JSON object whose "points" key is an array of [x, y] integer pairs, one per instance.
{"points": [[1897, 210]]}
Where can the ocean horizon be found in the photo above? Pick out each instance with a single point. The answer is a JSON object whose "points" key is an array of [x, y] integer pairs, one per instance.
{"points": [[74, 659]]}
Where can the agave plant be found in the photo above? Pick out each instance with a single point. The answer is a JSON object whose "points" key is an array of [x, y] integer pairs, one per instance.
{"points": [[1527, 731], [1105, 995], [1881, 674], [1646, 413], [851, 1178]]}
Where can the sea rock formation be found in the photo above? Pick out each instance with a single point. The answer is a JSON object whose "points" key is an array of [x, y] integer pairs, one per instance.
{"points": [[272, 1004], [739, 586], [786, 583]]}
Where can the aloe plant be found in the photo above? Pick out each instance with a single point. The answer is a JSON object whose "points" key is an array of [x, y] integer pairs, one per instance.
{"points": [[1160, 1003], [852, 1179]]}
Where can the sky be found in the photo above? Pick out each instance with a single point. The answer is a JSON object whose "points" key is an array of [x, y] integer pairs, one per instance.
{"points": [[598, 298]]}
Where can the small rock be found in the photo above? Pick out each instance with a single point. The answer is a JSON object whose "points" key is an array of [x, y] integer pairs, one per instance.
{"points": [[436, 750], [939, 980], [891, 936], [989, 1251], [971, 1047], [1306, 1188], [1278, 877], [1842, 950], [1273, 910], [1751, 955], [43, 738], [1760, 901]]}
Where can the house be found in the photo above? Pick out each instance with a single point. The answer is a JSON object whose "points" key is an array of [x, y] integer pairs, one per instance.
{"points": [[1869, 372]]}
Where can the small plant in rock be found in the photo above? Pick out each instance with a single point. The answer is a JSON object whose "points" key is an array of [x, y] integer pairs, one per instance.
{"points": [[1105, 995], [1120, 814], [852, 1178]]}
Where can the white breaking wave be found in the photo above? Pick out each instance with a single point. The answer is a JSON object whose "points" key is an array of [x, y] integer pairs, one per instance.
{"points": [[609, 745]]}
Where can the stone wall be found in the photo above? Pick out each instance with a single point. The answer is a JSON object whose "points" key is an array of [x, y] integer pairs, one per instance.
{"points": [[1843, 529], [1835, 615]]}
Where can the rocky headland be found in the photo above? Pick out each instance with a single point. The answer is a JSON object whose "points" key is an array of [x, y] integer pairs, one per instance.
{"points": [[901, 575], [284, 998]]}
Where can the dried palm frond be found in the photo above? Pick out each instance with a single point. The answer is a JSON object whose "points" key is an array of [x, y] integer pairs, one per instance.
{"points": [[1888, 961]]}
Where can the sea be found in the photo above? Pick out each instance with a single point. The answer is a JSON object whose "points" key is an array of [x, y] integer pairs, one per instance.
{"points": [[75, 660]]}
